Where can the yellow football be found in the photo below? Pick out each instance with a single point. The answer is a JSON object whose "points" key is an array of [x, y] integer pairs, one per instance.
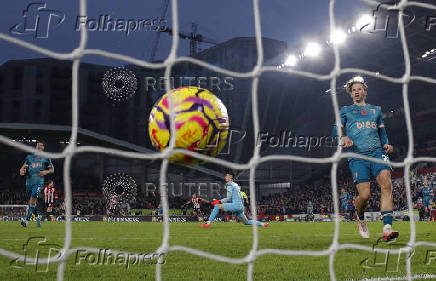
{"points": [[201, 122]]}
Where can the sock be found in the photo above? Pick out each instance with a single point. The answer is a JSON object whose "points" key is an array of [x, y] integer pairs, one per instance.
{"points": [[250, 222], [30, 211], [35, 211], [361, 215], [387, 217], [214, 213]]}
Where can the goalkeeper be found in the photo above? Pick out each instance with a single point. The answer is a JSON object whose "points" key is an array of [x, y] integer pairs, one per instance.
{"points": [[365, 134], [232, 203]]}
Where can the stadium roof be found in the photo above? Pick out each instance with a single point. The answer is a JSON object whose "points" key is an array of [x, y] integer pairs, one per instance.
{"points": [[55, 132]]}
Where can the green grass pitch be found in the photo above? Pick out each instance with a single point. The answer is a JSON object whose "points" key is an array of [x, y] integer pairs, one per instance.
{"points": [[227, 239]]}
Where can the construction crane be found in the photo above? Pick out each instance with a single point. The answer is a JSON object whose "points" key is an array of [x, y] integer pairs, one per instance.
{"points": [[194, 38], [155, 42]]}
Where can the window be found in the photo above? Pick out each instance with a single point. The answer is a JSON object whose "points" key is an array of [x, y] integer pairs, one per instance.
{"points": [[37, 110], [15, 110], [18, 78], [39, 88], [1, 85]]}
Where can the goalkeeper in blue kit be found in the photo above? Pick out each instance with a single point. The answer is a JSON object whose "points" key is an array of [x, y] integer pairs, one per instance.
{"points": [[365, 134], [232, 203], [36, 168]]}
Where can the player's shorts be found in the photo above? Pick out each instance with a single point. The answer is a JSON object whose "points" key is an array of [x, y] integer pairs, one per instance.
{"points": [[310, 210], [236, 208], [343, 207], [47, 205], [33, 190], [361, 169], [41, 206], [428, 202], [233, 207]]}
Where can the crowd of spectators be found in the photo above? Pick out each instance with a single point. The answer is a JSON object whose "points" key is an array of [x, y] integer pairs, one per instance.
{"points": [[89, 206], [293, 201], [10, 196]]}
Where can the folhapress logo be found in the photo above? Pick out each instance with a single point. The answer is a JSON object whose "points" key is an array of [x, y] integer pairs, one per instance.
{"points": [[38, 20]]}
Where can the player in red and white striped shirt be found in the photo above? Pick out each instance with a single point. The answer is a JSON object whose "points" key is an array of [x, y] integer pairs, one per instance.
{"points": [[196, 203], [50, 194], [113, 206]]}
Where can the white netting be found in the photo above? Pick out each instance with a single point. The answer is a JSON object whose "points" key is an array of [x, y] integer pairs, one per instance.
{"points": [[71, 149]]}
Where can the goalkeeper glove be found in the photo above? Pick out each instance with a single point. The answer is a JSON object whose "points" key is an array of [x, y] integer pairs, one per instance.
{"points": [[215, 202]]}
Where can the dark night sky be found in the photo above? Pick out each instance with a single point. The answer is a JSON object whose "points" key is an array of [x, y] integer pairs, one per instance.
{"points": [[291, 21]]}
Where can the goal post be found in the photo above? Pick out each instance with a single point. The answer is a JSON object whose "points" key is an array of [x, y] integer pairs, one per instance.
{"points": [[18, 211]]}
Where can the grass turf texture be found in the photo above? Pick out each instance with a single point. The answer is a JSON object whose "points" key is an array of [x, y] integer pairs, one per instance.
{"points": [[228, 239]]}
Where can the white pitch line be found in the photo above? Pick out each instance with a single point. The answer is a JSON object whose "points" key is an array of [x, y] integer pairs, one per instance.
{"points": [[416, 277]]}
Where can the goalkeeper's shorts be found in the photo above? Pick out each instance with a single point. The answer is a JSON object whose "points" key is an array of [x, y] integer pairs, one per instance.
{"points": [[361, 170], [236, 208], [233, 207]]}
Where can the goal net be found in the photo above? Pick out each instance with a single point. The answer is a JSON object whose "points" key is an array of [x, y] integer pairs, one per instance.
{"points": [[71, 149]]}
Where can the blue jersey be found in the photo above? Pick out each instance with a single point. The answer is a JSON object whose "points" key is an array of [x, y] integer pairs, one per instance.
{"points": [[35, 165], [345, 197], [362, 125], [427, 192], [233, 193]]}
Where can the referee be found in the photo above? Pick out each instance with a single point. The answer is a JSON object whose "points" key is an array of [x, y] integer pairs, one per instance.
{"points": [[246, 203]]}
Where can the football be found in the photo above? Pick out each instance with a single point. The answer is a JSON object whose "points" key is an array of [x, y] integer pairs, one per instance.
{"points": [[201, 123]]}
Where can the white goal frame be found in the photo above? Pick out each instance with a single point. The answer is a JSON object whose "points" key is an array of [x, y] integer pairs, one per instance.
{"points": [[68, 153]]}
